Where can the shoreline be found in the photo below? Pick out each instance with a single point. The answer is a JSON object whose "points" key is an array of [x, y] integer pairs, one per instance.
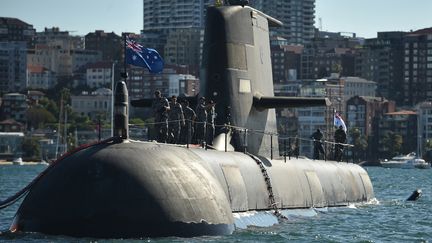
{"points": [[4, 162]]}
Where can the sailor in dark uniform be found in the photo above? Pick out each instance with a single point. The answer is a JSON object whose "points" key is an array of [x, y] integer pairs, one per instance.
{"points": [[176, 120], [160, 107], [340, 138], [211, 115], [187, 131], [200, 125], [317, 136]]}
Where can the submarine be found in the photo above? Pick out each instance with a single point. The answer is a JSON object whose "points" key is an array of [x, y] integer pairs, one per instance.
{"points": [[123, 188]]}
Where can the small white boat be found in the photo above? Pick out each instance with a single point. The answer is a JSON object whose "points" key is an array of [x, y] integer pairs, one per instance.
{"points": [[17, 161], [409, 161]]}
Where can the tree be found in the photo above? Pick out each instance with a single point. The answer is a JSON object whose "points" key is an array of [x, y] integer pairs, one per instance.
{"points": [[37, 117], [360, 144], [392, 143], [137, 121], [50, 106], [31, 148]]}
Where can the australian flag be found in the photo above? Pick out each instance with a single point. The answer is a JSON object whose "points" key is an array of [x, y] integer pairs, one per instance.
{"points": [[139, 56]]}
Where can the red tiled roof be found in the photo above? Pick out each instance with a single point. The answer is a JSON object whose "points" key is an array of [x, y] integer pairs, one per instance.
{"points": [[424, 31], [36, 69], [9, 122], [403, 112]]}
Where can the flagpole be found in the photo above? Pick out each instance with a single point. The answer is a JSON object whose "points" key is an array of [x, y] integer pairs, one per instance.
{"points": [[124, 57]]}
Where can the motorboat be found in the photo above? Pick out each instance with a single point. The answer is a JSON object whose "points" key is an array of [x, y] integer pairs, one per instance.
{"points": [[17, 161], [408, 161]]}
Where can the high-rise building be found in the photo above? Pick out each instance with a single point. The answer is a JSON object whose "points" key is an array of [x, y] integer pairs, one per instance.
{"points": [[285, 60], [381, 60], [165, 15], [182, 48], [12, 29], [175, 28], [296, 15], [109, 44], [329, 52], [417, 78], [13, 64]]}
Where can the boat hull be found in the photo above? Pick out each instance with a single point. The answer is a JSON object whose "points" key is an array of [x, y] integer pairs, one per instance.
{"points": [[139, 189]]}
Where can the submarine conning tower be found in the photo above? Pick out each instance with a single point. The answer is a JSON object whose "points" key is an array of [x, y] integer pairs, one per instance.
{"points": [[237, 75]]}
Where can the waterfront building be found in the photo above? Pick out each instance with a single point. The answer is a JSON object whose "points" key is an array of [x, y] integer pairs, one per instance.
{"points": [[14, 106], [13, 65], [424, 112], [16, 30], [403, 123], [96, 104], [10, 125], [11, 145], [364, 111]]}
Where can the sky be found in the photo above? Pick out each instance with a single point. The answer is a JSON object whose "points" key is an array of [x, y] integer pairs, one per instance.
{"points": [[363, 17]]}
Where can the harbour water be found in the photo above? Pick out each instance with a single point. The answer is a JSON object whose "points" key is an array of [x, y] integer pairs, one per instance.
{"points": [[389, 219]]}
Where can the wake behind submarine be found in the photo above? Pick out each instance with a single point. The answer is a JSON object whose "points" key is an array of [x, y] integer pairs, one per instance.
{"points": [[122, 188]]}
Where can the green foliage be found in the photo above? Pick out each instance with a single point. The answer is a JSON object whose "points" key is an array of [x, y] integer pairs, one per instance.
{"points": [[50, 106], [360, 144], [37, 117], [82, 123], [428, 144], [137, 121], [392, 143], [31, 148]]}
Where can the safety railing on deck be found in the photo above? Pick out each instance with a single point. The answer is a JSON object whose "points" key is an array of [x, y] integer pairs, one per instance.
{"points": [[289, 146]]}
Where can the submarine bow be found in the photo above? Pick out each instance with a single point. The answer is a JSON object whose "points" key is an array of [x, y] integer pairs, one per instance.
{"points": [[127, 190]]}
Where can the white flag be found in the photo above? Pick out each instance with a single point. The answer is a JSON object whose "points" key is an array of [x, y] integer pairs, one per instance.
{"points": [[338, 121]]}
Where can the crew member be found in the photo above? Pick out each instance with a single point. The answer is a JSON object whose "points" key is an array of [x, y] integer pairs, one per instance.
{"points": [[175, 118], [160, 107], [317, 136], [201, 113], [340, 138], [187, 131], [211, 115]]}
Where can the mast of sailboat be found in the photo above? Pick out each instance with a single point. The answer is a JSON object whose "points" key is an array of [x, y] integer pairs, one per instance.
{"points": [[65, 147], [419, 133], [59, 127]]}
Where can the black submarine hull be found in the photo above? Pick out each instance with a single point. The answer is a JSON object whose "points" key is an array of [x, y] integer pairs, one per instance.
{"points": [[145, 189]]}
